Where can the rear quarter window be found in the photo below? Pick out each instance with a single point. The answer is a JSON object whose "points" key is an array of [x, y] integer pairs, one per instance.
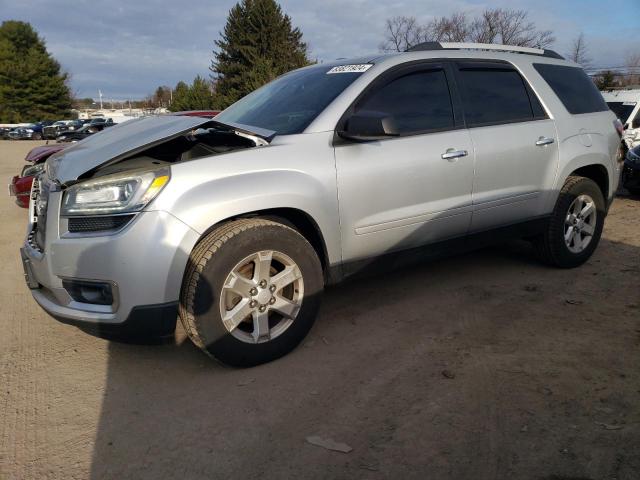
{"points": [[574, 88]]}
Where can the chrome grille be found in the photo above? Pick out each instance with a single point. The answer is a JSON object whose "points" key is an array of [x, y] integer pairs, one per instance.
{"points": [[39, 204]]}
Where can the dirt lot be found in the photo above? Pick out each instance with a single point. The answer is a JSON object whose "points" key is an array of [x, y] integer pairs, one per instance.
{"points": [[484, 366]]}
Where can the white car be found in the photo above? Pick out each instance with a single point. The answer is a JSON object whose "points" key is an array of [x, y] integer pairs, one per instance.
{"points": [[626, 105]]}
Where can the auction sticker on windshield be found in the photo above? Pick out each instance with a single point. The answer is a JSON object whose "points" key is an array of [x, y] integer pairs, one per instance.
{"points": [[351, 68]]}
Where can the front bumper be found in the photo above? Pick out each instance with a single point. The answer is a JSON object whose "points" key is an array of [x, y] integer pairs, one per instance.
{"points": [[144, 262]]}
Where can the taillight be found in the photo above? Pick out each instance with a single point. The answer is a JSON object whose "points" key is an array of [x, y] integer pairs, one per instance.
{"points": [[618, 126]]}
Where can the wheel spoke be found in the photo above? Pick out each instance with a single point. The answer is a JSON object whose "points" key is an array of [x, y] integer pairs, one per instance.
{"points": [[577, 240], [587, 210], [239, 284], [260, 325], [286, 277], [262, 266], [588, 229], [568, 235], [577, 206], [285, 307], [237, 314]]}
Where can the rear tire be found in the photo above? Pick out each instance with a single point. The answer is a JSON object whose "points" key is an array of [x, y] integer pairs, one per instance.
{"points": [[251, 292], [575, 225]]}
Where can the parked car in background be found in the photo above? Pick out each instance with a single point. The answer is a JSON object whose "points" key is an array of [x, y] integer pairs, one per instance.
{"points": [[20, 186], [101, 121], [24, 133], [52, 131], [631, 171], [4, 132], [83, 132], [626, 105], [38, 127], [235, 223]]}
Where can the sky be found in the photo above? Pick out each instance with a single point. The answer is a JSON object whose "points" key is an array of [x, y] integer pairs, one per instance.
{"points": [[126, 48]]}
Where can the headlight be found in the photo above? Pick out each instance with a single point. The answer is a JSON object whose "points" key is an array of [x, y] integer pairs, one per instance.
{"points": [[123, 192], [32, 170]]}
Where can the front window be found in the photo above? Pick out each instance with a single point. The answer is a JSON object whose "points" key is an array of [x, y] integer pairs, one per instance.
{"points": [[417, 102], [622, 109], [291, 102]]}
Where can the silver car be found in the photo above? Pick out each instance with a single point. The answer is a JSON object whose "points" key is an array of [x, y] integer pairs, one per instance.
{"points": [[235, 224]]}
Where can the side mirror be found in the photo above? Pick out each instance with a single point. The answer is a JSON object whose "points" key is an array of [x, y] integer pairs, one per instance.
{"points": [[369, 125]]}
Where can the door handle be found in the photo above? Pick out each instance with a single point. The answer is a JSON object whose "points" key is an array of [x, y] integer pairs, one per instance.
{"points": [[542, 141], [452, 154]]}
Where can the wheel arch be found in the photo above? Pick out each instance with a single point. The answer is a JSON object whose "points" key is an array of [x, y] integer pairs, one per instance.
{"points": [[298, 219], [598, 173]]}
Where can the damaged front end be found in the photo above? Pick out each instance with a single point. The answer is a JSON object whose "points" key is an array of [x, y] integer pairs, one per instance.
{"points": [[122, 169]]}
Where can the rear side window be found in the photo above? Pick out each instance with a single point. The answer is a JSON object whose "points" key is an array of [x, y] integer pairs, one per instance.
{"points": [[418, 102], [495, 95], [573, 87]]}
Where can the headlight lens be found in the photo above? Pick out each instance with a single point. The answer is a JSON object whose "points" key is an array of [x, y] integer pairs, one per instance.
{"points": [[32, 170], [120, 193]]}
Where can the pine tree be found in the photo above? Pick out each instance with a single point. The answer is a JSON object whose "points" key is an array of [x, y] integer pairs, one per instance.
{"points": [[258, 44], [180, 100], [32, 86], [200, 96], [196, 96]]}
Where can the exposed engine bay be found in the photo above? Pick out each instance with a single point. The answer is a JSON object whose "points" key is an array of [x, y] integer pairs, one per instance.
{"points": [[202, 142]]}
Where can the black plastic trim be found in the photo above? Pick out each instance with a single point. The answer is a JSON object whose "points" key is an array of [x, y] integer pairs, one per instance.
{"points": [[445, 248], [144, 322]]}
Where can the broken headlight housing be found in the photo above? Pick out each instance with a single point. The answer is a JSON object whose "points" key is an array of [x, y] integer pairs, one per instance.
{"points": [[120, 193]]}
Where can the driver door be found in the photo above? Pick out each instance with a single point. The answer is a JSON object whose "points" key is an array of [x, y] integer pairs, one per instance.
{"points": [[413, 189]]}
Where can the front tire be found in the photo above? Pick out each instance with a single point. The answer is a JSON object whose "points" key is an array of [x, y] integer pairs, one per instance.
{"points": [[575, 225], [251, 292]]}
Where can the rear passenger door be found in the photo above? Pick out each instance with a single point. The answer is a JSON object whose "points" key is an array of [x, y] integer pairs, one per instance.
{"points": [[516, 152]]}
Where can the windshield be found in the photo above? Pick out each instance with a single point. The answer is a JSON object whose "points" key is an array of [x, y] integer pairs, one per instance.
{"points": [[291, 102], [622, 109]]}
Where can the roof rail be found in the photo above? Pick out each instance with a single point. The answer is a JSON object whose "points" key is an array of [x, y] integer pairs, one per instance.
{"points": [[483, 46]]}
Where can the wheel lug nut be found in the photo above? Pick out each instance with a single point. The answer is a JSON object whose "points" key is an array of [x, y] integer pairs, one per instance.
{"points": [[272, 300], [272, 288], [253, 304], [253, 292], [262, 308], [263, 283]]}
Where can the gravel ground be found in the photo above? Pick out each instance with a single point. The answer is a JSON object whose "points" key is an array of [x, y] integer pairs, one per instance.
{"points": [[484, 366]]}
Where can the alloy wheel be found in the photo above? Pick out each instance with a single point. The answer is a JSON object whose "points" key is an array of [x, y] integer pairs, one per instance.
{"points": [[261, 296]]}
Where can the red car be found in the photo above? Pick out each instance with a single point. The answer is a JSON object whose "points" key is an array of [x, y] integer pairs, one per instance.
{"points": [[20, 185]]}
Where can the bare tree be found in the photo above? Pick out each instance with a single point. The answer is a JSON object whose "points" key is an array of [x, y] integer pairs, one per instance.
{"points": [[497, 25], [632, 62], [578, 51], [401, 34], [509, 27], [448, 29]]}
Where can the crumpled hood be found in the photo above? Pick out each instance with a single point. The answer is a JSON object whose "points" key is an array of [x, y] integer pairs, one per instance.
{"points": [[37, 154], [117, 142]]}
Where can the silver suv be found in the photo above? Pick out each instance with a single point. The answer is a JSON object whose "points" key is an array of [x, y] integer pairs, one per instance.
{"points": [[235, 224]]}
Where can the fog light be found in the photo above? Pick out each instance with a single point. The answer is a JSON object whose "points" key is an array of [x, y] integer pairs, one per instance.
{"points": [[85, 291]]}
